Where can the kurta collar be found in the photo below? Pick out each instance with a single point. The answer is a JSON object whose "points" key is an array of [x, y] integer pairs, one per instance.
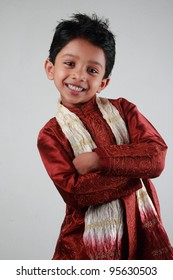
{"points": [[85, 108]]}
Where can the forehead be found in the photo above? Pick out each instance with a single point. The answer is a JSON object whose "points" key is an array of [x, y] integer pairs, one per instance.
{"points": [[81, 48]]}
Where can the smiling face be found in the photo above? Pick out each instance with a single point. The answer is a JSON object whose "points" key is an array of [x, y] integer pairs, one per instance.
{"points": [[78, 72]]}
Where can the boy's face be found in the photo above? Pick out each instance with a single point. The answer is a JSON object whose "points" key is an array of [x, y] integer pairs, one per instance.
{"points": [[78, 72]]}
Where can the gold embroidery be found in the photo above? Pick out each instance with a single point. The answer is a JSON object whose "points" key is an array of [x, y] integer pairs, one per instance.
{"points": [[142, 194], [114, 119], [105, 223], [150, 223], [83, 142]]}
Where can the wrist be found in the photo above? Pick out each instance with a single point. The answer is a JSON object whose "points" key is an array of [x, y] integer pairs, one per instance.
{"points": [[95, 162]]}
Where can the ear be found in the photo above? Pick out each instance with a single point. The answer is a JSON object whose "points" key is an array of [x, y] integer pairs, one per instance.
{"points": [[103, 84], [49, 68]]}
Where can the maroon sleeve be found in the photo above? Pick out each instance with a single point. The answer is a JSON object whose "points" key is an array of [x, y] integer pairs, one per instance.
{"points": [[143, 157], [78, 190]]}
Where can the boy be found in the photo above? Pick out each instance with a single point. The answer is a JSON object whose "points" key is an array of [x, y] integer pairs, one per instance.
{"points": [[100, 153]]}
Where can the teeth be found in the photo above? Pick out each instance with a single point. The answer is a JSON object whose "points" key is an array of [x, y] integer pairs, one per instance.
{"points": [[75, 88]]}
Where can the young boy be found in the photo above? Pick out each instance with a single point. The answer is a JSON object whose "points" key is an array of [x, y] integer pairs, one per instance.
{"points": [[100, 153]]}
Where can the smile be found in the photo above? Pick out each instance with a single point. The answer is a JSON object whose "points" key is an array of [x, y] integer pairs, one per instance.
{"points": [[75, 88]]}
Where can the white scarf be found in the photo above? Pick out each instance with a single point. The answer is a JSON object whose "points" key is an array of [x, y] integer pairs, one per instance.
{"points": [[103, 223]]}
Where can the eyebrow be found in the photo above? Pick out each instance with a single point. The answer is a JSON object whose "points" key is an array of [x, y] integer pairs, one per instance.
{"points": [[90, 61]]}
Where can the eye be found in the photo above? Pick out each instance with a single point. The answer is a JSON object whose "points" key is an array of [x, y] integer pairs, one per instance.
{"points": [[69, 63], [92, 70]]}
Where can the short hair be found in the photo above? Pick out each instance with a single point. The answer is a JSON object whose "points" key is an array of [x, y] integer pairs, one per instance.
{"points": [[92, 29]]}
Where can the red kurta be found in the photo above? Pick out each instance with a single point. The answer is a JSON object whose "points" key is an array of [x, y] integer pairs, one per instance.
{"points": [[121, 168]]}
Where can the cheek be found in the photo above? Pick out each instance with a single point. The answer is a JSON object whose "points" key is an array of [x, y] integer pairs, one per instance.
{"points": [[59, 76], [97, 84]]}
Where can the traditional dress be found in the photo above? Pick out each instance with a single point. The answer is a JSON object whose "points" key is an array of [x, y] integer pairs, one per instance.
{"points": [[119, 177]]}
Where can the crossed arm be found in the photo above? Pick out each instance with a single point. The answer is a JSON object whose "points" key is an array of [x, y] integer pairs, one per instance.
{"points": [[108, 172], [143, 157]]}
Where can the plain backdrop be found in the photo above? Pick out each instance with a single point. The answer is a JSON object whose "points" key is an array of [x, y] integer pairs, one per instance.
{"points": [[31, 209]]}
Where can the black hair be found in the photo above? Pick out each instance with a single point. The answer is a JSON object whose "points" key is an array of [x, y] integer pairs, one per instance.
{"points": [[93, 29]]}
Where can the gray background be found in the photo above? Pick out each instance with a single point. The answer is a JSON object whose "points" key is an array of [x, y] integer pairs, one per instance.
{"points": [[31, 210]]}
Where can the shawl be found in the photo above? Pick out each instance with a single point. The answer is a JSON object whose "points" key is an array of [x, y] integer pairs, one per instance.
{"points": [[104, 224]]}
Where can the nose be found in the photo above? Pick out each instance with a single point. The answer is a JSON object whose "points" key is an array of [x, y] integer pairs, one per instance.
{"points": [[79, 74]]}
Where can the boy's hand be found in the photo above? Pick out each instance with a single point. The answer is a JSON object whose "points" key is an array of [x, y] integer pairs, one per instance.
{"points": [[86, 162]]}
